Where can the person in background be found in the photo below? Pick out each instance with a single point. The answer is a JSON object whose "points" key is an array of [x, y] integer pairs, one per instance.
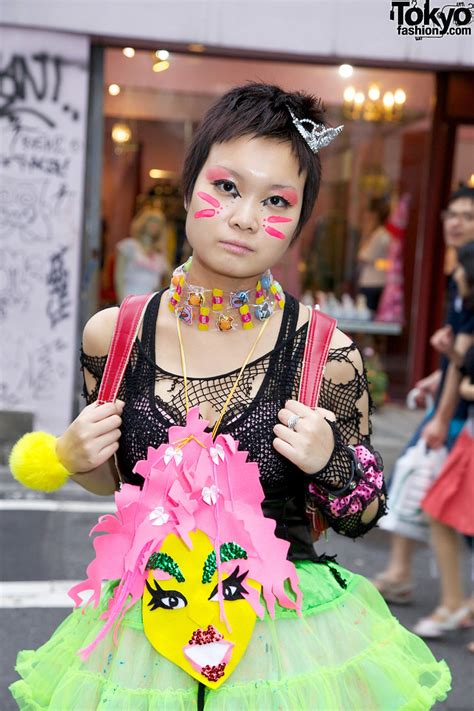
{"points": [[445, 421], [449, 501], [140, 262], [373, 252]]}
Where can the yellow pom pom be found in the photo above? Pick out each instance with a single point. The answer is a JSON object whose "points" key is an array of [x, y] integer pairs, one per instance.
{"points": [[35, 464]]}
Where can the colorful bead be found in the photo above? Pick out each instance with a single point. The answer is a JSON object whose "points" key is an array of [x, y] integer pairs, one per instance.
{"points": [[276, 290], [259, 295], [176, 295], [217, 299], [238, 299], [245, 317], [185, 313], [263, 311], [196, 298], [224, 322], [266, 282], [203, 324]]}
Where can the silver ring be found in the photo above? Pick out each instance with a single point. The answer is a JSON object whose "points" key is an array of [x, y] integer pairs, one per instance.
{"points": [[293, 421]]}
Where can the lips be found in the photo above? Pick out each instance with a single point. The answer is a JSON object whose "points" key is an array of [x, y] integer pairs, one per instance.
{"points": [[236, 247], [208, 652]]}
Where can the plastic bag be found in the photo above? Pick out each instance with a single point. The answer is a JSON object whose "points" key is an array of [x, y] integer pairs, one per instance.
{"points": [[414, 473]]}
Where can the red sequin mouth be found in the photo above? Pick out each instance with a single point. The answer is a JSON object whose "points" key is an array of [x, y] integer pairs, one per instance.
{"points": [[209, 653]]}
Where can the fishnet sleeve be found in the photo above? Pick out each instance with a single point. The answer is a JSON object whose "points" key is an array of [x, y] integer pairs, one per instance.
{"points": [[345, 392], [94, 366]]}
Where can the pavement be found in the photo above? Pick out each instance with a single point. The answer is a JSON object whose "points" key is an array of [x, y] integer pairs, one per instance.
{"points": [[45, 548]]}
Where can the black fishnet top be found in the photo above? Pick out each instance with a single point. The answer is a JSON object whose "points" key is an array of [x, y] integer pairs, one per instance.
{"points": [[154, 400]]}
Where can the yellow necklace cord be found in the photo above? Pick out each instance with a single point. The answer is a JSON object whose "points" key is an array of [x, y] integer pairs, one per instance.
{"points": [[183, 365], [237, 380]]}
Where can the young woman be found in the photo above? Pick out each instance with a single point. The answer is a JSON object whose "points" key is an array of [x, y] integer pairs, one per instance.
{"points": [[140, 264], [449, 501], [250, 182]]}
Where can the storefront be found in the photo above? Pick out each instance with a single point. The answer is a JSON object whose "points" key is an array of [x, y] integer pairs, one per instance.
{"points": [[374, 192], [97, 163]]}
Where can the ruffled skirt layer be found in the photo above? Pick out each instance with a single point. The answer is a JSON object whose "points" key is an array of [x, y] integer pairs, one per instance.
{"points": [[346, 652]]}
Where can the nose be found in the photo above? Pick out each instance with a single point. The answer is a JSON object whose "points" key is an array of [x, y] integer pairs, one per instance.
{"points": [[244, 216]]}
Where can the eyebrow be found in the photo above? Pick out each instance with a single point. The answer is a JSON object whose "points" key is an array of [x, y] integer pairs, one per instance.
{"points": [[228, 551], [165, 562]]}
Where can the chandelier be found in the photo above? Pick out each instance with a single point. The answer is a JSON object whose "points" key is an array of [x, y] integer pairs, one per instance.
{"points": [[374, 106]]}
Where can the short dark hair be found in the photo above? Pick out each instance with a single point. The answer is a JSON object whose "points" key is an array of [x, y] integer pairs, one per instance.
{"points": [[464, 191], [466, 260], [380, 207], [258, 109]]}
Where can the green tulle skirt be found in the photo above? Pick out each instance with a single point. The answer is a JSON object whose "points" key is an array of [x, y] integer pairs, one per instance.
{"points": [[346, 652]]}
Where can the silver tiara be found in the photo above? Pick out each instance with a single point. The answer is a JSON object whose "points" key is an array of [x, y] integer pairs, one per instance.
{"points": [[318, 136]]}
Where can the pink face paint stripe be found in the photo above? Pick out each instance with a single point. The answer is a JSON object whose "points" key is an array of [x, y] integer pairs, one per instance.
{"points": [[274, 233], [211, 200], [205, 213], [277, 218]]}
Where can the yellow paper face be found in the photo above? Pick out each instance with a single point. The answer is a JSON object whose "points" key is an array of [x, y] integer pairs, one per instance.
{"points": [[181, 615]]}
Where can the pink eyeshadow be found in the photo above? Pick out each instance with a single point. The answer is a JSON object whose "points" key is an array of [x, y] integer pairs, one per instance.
{"points": [[289, 194], [218, 174]]}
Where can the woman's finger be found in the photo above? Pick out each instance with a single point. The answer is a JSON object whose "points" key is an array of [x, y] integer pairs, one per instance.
{"points": [[287, 435], [97, 413], [113, 422], [297, 408], [286, 450]]}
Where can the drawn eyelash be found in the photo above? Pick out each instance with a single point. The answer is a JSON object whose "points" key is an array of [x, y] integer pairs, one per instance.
{"points": [[232, 588], [165, 599]]}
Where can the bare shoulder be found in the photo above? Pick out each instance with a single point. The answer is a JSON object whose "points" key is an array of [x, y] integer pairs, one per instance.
{"points": [[98, 332], [340, 340]]}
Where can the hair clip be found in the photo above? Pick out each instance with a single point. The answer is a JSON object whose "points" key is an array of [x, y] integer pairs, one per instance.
{"points": [[319, 136]]}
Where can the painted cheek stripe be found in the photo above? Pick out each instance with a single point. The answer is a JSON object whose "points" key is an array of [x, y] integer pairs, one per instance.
{"points": [[204, 213], [208, 198], [274, 233], [278, 218]]}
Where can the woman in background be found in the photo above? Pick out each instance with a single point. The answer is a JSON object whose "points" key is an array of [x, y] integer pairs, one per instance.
{"points": [[141, 264]]}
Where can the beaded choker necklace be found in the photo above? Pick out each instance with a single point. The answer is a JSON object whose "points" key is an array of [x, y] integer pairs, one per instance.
{"points": [[192, 303]]}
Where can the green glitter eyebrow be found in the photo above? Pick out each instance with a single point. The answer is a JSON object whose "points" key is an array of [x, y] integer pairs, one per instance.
{"points": [[165, 562], [229, 551]]}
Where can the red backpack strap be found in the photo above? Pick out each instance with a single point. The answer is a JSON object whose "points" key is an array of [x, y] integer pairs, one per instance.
{"points": [[126, 329], [320, 330]]}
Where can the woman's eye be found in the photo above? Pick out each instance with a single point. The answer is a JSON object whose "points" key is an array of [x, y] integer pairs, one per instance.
{"points": [[227, 186], [276, 201]]}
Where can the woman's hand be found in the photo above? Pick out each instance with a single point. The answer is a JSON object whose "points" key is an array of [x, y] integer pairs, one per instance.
{"points": [[92, 438], [435, 432], [310, 445], [443, 340]]}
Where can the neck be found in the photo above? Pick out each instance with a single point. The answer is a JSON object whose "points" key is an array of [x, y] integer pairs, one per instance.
{"points": [[200, 275], [195, 299]]}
